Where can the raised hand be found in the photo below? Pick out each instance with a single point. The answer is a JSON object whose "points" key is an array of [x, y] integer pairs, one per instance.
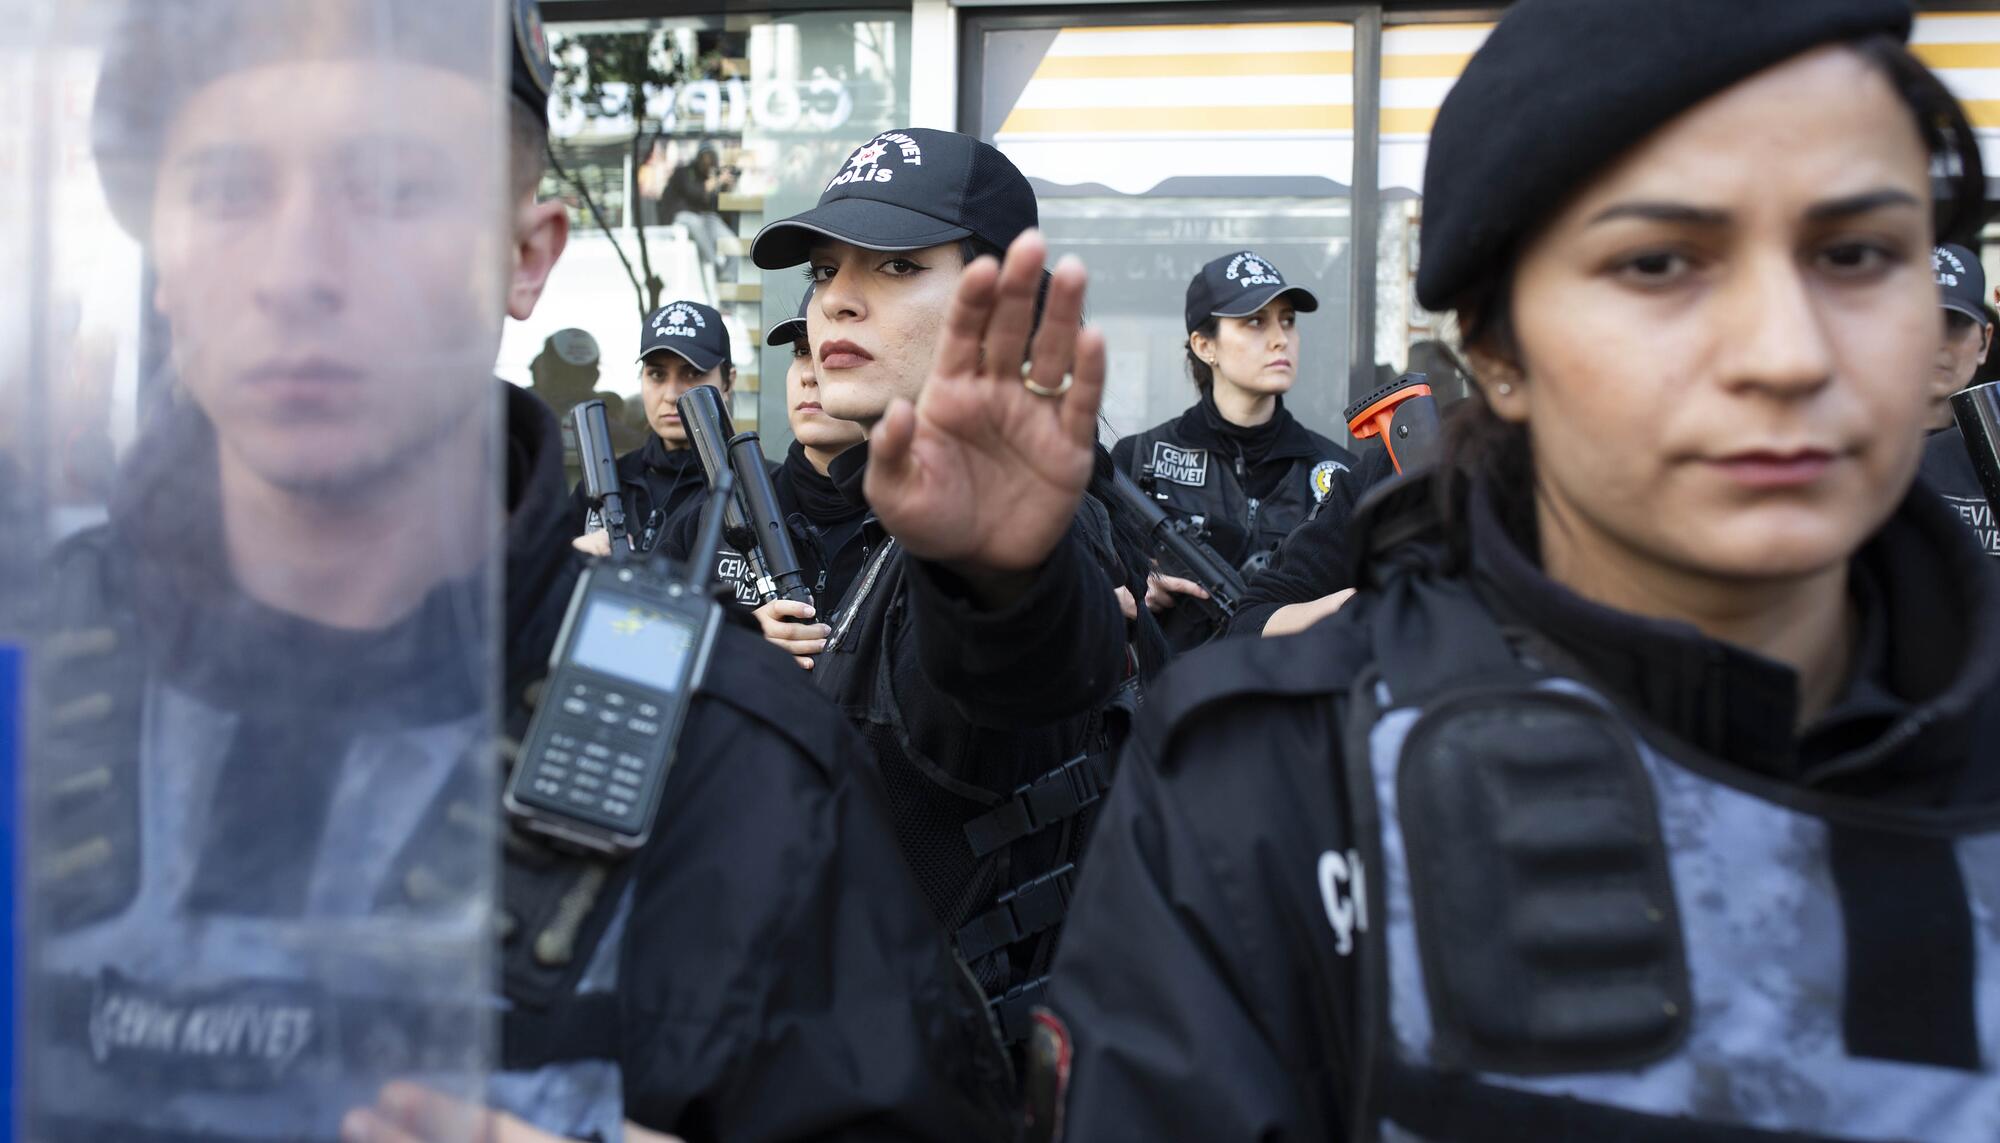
{"points": [[983, 474]]}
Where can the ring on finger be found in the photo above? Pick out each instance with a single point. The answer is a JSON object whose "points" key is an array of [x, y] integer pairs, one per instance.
{"points": [[1040, 390]]}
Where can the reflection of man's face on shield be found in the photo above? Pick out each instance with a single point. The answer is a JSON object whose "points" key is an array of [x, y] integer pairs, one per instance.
{"points": [[325, 275]]}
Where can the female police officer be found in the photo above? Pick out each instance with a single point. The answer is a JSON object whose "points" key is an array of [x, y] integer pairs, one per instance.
{"points": [[681, 345], [1236, 459], [981, 645], [1652, 797]]}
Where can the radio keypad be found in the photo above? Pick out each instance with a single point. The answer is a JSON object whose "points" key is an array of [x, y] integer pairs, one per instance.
{"points": [[595, 758]]}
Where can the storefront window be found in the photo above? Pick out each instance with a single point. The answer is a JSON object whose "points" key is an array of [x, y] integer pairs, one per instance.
{"points": [[1419, 65], [1156, 148], [1964, 49], [1420, 62], [676, 142]]}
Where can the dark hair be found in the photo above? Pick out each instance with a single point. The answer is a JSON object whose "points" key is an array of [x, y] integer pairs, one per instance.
{"points": [[1479, 445], [1204, 376], [527, 150]]}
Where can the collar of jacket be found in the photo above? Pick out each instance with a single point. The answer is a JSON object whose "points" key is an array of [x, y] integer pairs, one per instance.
{"points": [[1280, 438], [819, 498], [1927, 654], [657, 457], [849, 472]]}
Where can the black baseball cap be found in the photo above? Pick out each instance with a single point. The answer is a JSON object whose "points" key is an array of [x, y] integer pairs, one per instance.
{"points": [[792, 328], [905, 190], [690, 329], [1961, 281], [1238, 285], [534, 73]]}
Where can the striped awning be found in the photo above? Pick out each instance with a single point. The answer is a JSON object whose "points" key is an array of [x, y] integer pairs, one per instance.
{"points": [[1963, 48], [1129, 107], [1420, 62]]}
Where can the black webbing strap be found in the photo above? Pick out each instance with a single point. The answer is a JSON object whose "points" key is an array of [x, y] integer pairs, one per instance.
{"points": [[581, 1027], [1461, 1109], [1014, 1010], [1912, 960], [1056, 796], [1029, 908]]}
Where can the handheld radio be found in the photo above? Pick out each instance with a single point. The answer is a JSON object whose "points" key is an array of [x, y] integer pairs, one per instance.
{"points": [[631, 652]]}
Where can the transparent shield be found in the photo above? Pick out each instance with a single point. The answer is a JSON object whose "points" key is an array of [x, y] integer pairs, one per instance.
{"points": [[253, 517]]}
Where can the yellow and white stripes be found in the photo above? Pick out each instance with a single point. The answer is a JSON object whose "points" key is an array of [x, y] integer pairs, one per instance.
{"points": [[1963, 48], [1420, 62], [1130, 106]]}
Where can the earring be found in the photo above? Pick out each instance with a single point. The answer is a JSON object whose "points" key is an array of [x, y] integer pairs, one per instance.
{"points": [[1506, 390]]}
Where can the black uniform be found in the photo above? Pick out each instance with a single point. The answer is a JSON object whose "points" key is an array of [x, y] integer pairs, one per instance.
{"points": [[992, 731], [763, 970], [1637, 893], [1947, 467], [1313, 561], [824, 524], [1249, 486], [657, 482]]}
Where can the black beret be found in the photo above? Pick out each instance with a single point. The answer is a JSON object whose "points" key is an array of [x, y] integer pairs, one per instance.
{"points": [[1564, 87]]}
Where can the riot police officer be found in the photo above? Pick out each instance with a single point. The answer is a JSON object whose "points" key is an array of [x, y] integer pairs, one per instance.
{"points": [[1645, 789], [265, 813], [1237, 460], [981, 649], [682, 345]]}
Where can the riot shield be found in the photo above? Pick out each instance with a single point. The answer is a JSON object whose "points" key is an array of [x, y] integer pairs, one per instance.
{"points": [[253, 575]]}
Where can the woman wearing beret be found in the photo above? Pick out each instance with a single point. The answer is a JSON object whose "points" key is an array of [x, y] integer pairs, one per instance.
{"points": [[1236, 459], [1647, 790]]}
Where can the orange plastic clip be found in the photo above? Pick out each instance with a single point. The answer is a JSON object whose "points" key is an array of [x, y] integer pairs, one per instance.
{"points": [[1373, 420]]}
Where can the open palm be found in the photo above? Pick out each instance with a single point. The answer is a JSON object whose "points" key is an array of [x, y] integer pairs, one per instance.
{"points": [[981, 472]]}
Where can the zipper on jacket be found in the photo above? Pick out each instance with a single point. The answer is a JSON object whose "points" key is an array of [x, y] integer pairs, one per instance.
{"points": [[846, 618]]}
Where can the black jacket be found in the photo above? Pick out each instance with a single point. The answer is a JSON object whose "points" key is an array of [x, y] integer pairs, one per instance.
{"points": [[1201, 978], [824, 524], [1250, 486], [1315, 559], [657, 481], [1947, 468], [964, 706], [777, 975], [781, 976]]}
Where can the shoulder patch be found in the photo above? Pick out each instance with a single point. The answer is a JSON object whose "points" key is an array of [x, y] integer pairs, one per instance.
{"points": [[732, 569], [1322, 478], [1177, 465]]}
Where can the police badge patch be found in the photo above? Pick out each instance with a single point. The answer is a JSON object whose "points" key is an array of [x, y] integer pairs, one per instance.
{"points": [[1176, 465], [1322, 478]]}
